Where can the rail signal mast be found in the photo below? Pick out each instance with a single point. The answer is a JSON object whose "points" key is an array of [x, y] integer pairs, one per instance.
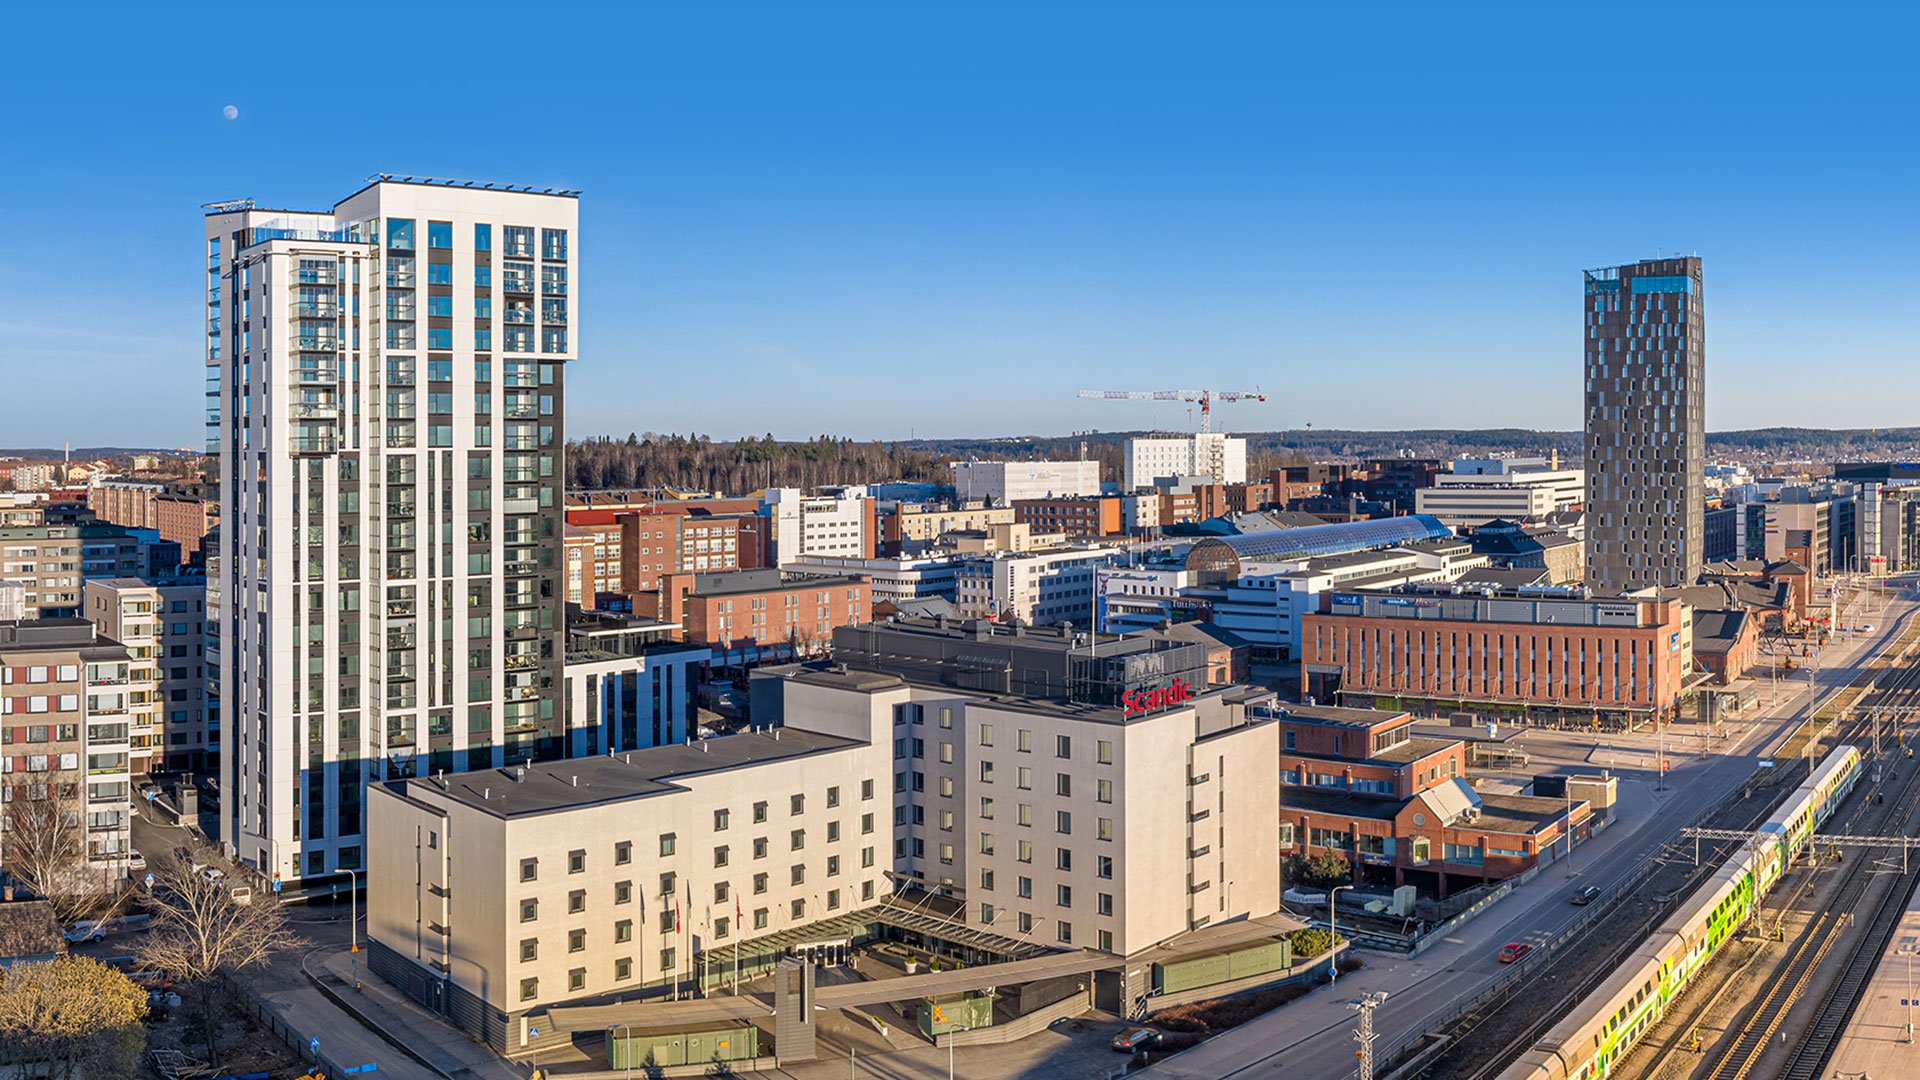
{"points": [[1206, 398]]}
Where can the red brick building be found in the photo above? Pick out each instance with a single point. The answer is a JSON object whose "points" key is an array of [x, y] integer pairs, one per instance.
{"points": [[747, 607], [658, 542], [1394, 804], [1090, 515], [1621, 661]]}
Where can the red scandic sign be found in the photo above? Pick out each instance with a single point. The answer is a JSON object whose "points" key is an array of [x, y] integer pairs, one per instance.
{"points": [[1139, 701]]}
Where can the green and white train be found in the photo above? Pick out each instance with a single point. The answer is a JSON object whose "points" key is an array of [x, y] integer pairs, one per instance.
{"points": [[1590, 1042]]}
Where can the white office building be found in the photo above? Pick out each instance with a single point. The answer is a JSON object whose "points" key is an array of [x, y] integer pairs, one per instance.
{"points": [[385, 393], [1208, 453], [836, 522], [1002, 482], [907, 578], [1037, 587], [1479, 490]]}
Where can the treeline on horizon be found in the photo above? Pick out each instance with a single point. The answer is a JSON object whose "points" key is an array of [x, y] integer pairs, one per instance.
{"points": [[748, 464]]}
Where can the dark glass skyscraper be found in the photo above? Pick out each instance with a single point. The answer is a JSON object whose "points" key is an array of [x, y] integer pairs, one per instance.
{"points": [[1646, 424]]}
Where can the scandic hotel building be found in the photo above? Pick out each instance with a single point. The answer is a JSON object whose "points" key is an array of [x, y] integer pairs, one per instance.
{"points": [[1618, 660]]}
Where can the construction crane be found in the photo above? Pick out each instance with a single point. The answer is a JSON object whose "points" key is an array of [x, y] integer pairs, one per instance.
{"points": [[1206, 398]]}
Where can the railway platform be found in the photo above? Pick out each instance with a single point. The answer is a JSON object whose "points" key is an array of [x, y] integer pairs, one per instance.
{"points": [[1876, 1044]]}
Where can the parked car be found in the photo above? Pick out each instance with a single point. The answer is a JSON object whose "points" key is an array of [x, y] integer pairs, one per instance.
{"points": [[1586, 896], [212, 873], [242, 895], [135, 861], [1134, 1040], [1514, 950]]}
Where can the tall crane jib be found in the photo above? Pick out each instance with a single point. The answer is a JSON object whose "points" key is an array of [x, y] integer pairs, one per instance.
{"points": [[1205, 398]]}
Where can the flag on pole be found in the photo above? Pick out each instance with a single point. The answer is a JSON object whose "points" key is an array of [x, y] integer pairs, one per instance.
{"points": [[676, 913]]}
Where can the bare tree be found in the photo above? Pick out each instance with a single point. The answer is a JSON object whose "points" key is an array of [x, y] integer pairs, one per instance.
{"points": [[46, 849], [198, 932], [71, 1017]]}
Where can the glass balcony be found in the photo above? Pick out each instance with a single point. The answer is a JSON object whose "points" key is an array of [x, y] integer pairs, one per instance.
{"points": [[311, 309], [310, 410], [313, 444], [316, 373], [317, 343], [518, 315], [311, 275], [513, 283]]}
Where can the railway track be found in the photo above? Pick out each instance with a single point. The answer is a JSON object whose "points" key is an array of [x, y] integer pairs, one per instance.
{"points": [[1796, 972], [1489, 1032]]}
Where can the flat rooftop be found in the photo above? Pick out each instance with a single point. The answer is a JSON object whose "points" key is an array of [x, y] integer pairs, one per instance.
{"points": [[551, 786], [1338, 715]]}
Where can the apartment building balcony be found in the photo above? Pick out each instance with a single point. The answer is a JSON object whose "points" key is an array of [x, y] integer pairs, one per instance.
{"points": [[312, 309], [314, 444], [513, 379], [514, 285], [520, 506], [522, 633], [316, 373], [326, 343], [520, 567], [400, 509], [523, 663], [521, 412], [401, 609], [553, 288], [316, 276], [518, 315], [313, 410]]}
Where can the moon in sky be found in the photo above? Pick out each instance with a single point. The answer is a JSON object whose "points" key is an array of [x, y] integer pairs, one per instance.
{"points": [[231, 112]]}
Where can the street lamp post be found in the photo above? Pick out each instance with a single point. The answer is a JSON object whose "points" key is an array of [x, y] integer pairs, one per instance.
{"points": [[1908, 952], [951, 1032], [629, 1053], [1333, 926]]}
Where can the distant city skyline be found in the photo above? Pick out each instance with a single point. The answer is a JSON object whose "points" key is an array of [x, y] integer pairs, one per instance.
{"points": [[947, 223]]}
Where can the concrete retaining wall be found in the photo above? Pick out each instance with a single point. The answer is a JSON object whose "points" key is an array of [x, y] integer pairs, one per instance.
{"points": [[1032, 1023], [1312, 970]]}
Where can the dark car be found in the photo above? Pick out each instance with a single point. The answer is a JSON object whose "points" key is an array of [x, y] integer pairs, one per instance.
{"points": [[1134, 1040], [1586, 896], [1514, 950]]}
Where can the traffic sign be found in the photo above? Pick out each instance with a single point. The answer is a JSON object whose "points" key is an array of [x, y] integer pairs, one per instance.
{"points": [[369, 1067], [313, 1045], [149, 879], [276, 883]]}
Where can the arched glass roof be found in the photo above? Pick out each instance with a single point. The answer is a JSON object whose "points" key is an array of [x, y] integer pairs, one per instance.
{"points": [[1220, 556]]}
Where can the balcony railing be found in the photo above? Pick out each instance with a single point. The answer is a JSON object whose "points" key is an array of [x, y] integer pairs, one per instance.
{"points": [[307, 410], [311, 310], [317, 343], [518, 315], [520, 285], [316, 373], [314, 444]]}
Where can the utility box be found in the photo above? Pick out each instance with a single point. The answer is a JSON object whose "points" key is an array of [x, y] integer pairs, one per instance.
{"points": [[702, 1046], [972, 1010]]}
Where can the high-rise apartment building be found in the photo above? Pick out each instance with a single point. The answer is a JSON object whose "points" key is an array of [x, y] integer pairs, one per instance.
{"points": [[1169, 457], [1646, 424], [161, 623], [385, 386]]}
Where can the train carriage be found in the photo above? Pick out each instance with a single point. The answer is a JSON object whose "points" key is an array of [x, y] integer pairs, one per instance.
{"points": [[1602, 1029]]}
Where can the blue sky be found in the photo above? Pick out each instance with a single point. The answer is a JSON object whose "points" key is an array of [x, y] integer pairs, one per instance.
{"points": [[945, 219]]}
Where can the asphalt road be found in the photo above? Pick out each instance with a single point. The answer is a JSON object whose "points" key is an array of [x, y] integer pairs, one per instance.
{"points": [[1314, 1035]]}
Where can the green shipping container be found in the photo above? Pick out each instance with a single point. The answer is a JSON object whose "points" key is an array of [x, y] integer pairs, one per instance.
{"points": [[700, 1047]]}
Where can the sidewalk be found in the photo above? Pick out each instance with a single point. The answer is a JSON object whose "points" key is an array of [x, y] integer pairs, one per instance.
{"points": [[296, 1006], [432, 1045]]}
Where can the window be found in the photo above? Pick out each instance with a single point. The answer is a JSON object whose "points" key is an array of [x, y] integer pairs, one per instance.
{"points": [[797, 840], [400, 233], [1103, 828], [759, 884], [1103, 866], [759, 918], [759, 847], [798, 805], [529, 910], [1025, 745], [721, 819], [1105, 903], [666, 844], [529, 950], [667, 960], [833, 797], [623, 930], [1103, 790], [797, 873], [1023, 886], [576, 901], [1062, 821], [866, 790], [529, 869], [1063, 858], [986, 772], [576, 941], [1023, 778], [483, 238], [623, 892], [1065, 931], [1062, 746], [986, 734], [623, 853], [623, 967], [1103, 752], [667, 882], [799, 909], [759, 812], [439, 234], [1062, 784], [1063, 895], [529, 989], [576, 861]]}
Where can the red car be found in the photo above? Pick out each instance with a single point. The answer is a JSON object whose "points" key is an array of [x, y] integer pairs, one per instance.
{"points": [[1514, 950]]}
